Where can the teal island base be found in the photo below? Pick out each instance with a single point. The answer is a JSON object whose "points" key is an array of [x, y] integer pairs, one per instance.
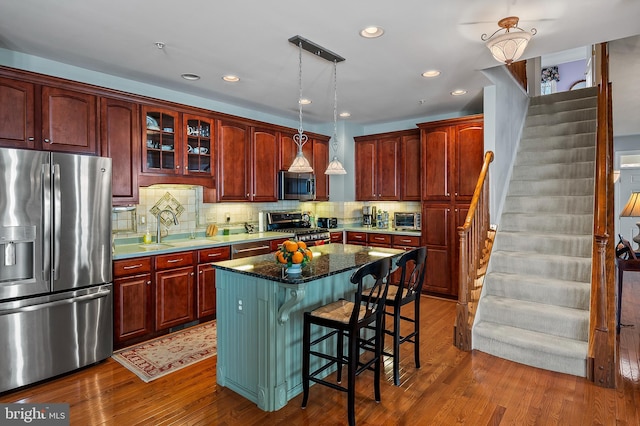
{"points": [[260, 318]]}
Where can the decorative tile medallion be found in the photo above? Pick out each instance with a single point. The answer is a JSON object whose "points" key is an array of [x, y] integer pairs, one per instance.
{"points": [[167, 202]]}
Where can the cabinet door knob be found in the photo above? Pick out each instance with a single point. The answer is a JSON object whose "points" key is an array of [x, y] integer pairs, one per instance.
{"points": [[31, 138], [177, 167], [148, 282], [47, 141], [200, 272], [192, 274]]}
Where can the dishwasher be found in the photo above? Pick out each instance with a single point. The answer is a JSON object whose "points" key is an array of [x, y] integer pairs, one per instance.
{"points": [[253, 248]]}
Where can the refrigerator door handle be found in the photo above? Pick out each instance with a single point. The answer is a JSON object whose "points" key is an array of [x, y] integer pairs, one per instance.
{"points": [[37, 307], [46, 222], [56, 221]]}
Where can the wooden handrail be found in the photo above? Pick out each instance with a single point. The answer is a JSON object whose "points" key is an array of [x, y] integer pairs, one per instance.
{"points": [[473, 236], [601, 351]]}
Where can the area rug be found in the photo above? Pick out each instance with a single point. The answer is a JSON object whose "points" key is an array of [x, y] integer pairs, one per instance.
{"points": [[159, 357]]}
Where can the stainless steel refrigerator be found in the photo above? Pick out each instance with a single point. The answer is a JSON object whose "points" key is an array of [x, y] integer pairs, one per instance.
{"points": [[55, 264]]}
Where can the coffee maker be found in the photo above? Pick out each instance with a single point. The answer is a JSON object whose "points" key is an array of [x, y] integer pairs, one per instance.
{"points": [[368, 216]]}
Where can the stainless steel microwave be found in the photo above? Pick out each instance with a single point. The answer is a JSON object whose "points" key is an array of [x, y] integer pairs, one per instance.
{"points": [[296, 186], [405, 221]]}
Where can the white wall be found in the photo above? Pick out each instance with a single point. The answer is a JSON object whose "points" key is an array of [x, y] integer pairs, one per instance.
{"points": [[505, 108]]}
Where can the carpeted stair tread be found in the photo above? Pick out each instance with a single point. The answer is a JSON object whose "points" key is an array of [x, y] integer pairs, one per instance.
{"points": [[540, 144], [559, 129], [534, 288], [572, 115], [544, 265], [548, 222], [557, 320], [557, 156], [552, 187], [554, 171], [570, 95], [549, 204], [547, 243], [531, 348]]}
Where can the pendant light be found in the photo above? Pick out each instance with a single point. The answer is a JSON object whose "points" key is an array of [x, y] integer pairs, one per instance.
{"points": [[335, 167], [300, 163], [508, 46]]}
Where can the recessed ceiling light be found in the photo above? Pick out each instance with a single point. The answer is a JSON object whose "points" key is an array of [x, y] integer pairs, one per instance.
{"points": [[372, 32], [458, 92], [345, 114], [304, 101], [160, 44], [231, 78], [190, 77], [431, 73]]}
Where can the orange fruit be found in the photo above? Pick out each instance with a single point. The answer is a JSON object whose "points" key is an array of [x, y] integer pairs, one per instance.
{"points": [[302, 245], [309, 254], [280, 257], [297, 257], [290, 245]]}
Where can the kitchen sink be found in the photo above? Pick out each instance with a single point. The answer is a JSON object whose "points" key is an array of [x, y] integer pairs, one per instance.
{"points": [[156, 246], [194, 242]]}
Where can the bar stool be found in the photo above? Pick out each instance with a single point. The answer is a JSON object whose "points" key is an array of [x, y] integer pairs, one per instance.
{"points": [[343, 318], [407, 290]]}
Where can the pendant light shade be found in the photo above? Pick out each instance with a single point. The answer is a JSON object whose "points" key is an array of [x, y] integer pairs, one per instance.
{"points": [[300, 163], [335, 167], [509, 46]]}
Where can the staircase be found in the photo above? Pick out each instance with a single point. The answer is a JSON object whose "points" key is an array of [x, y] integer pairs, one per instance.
{"points": [[534, 307]]}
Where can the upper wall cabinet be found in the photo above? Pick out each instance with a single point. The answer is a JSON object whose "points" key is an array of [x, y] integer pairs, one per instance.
{"points": [[410, 170], [378, 167], [65, 121], [120, 139], [452, 153], [162, 148], [17, 125], [69, 121]]}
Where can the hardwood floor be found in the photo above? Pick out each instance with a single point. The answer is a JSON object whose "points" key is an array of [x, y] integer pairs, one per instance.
{"points": [[451, 387]]}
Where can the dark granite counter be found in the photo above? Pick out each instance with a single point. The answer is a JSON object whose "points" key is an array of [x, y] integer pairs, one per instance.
{"points": [[327, 260]]}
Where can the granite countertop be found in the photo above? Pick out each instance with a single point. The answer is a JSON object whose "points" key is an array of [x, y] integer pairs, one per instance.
{"points": [[392, 231], [327, 260]]}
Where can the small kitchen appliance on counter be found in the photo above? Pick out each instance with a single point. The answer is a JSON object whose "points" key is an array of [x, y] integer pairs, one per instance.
{"points": [[327, 222], [55, 264], [407, 221], [368, 216]]}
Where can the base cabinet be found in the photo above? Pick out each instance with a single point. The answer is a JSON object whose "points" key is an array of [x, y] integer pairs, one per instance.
{"points": [[206, 291], [132, 300], [174, 289]]}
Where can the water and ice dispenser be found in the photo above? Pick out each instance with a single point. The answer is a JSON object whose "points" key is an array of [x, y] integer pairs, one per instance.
{"points": [[17, 253]]}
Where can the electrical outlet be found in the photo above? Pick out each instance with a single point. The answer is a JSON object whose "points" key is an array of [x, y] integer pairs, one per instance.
{"points": [[239, 305]]}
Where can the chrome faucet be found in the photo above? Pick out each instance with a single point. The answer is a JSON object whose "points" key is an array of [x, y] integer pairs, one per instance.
{"points": [[158, 221]]}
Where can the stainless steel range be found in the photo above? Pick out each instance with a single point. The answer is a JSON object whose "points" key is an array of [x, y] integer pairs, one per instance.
{"points": [[299, 224]]}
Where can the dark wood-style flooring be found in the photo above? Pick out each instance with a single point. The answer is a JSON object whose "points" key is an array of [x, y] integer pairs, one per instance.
{"points": [[452, 387]]}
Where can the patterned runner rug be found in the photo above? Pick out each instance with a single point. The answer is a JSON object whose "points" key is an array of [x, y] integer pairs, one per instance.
{"points": [[159, 357]]}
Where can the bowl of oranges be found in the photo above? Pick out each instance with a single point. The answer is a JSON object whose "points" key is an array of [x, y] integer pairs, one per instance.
{"points": [[293, 254]]}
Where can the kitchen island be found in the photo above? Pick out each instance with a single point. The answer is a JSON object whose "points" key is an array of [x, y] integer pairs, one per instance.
{"points": [[260, 317]]}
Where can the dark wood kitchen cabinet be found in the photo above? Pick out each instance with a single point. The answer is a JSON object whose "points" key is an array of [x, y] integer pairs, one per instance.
{"points": [[162, 143], [69, 121], [233, 161], [199, 150], [377, 162], [264, 165], [132, 290], [63, 120], [410, 166], [452, 155], [120, 141], [206, 297], [17, 124], [174, 289]]}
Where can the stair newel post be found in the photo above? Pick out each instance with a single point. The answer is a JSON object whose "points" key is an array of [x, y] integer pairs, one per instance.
{"points": [[462, 329]]}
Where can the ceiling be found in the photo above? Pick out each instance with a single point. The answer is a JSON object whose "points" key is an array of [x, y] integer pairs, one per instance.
{"points": [[380, 80]]}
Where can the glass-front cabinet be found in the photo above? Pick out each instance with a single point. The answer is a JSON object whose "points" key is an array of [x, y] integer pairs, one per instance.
{"points": [[198, 132], [161, 149]]}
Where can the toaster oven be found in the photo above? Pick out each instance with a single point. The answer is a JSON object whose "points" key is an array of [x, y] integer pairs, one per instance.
{"points": [[405, 221]]}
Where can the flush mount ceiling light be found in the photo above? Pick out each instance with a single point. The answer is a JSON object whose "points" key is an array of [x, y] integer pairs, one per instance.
{"points": [[190, 77], [335, 167], [372, 32], [300, 163], [509, 46], [231, 78]]}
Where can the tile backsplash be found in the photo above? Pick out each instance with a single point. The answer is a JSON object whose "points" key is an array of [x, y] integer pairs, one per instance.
{"points": [[194, 215]]}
